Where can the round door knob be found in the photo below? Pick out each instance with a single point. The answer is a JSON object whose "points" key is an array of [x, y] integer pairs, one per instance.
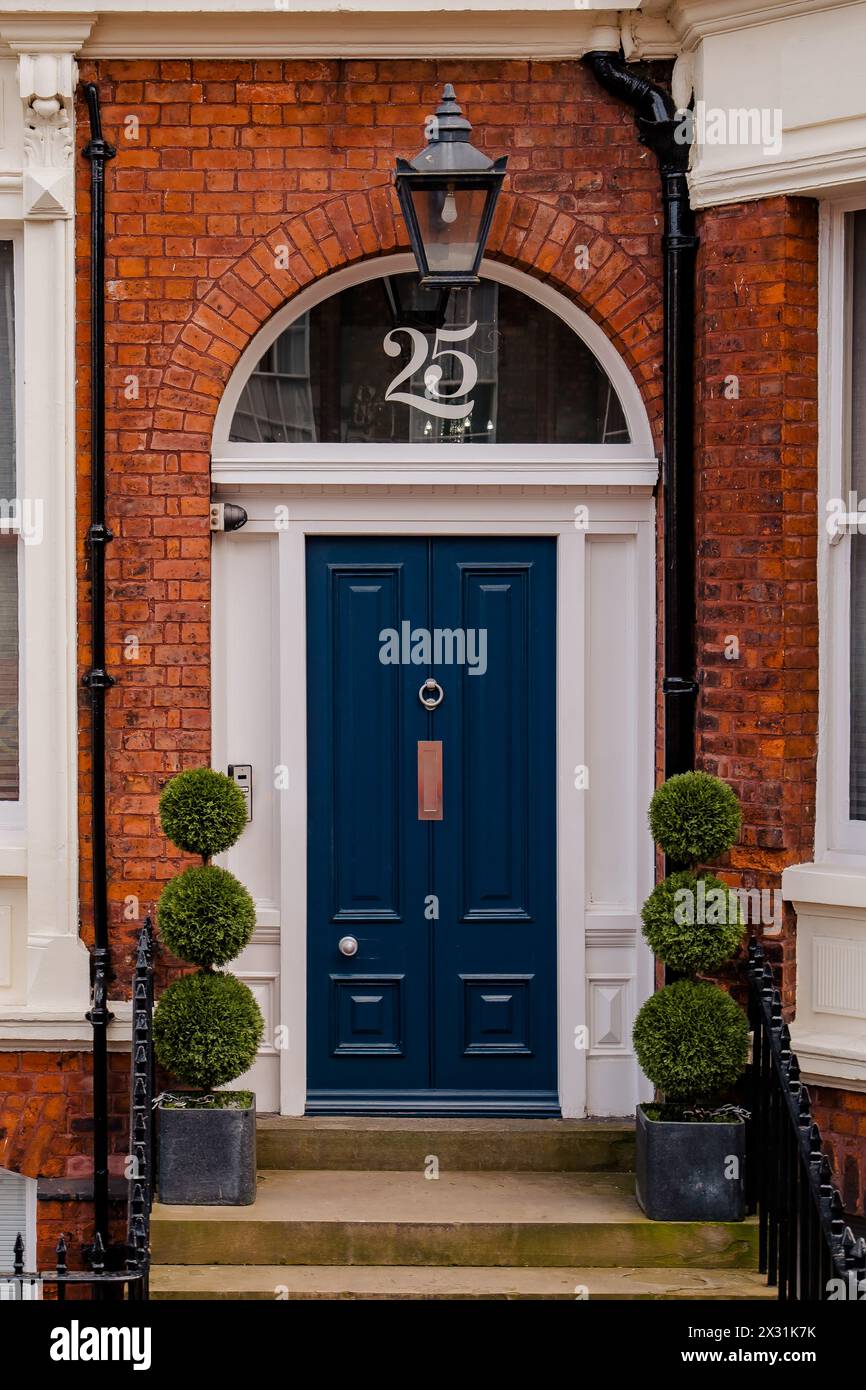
{"points": [[348, 946], [431, 694]]}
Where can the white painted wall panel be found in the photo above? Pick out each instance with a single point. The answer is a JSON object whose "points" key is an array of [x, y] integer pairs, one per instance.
{"points": [[245, 697], [612, 692]]}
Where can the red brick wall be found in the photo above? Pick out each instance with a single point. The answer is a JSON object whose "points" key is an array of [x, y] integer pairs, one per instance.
{"points": [[46, 1108], [46, 1131], [756, 530], [841, 1117]]}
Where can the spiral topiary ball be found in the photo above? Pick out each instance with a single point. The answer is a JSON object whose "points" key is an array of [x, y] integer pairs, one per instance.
{"points": [[202, 811], [691, 1040], [205, 915], [206, 1029], [695, 817], [693, 922]]}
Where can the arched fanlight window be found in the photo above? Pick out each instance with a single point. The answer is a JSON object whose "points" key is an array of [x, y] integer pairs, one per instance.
{"points": [[384, 362]]}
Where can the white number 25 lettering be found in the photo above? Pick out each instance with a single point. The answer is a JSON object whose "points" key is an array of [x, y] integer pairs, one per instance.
{"points": [[446, 408]]}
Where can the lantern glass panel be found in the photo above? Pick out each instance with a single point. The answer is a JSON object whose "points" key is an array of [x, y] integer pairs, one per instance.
{"points": [[450, 222]]}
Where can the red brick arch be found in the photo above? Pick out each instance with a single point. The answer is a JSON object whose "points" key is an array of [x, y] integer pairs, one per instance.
{"points": [[529, 233]]}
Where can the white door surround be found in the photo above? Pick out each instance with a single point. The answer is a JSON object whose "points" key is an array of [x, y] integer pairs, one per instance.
{"points": [[601, 512]]}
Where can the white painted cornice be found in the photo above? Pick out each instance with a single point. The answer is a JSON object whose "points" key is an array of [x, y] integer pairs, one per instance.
{"points": [[324, 29], [58, 9], [46, 33], [694, 20], [813, 174], [647, 36], [375, 34]]}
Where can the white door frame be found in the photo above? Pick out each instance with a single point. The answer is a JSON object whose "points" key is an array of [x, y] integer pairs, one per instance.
{"points": [[604, 968], [605, 674]]}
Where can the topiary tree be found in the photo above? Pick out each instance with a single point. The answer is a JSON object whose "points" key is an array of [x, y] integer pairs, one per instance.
{"points": [[206, 916], [207, 1029], [202, 811], [694, 817], [691, 1038], [207, 1026], [693, 922]]}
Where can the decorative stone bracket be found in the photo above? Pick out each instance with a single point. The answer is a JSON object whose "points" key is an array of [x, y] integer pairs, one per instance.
{"points": [[47, 74], [47, 81]]}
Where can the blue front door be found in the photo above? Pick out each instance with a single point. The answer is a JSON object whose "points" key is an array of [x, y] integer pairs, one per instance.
{"points": [[432, 830]]}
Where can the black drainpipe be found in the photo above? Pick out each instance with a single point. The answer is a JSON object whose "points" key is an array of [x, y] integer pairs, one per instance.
{"points": [[97, 680], [658, 125]]}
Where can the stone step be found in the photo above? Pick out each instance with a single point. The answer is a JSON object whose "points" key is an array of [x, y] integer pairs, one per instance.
{"points": [[490, 1219], [464, 1145], [406, 1282]]}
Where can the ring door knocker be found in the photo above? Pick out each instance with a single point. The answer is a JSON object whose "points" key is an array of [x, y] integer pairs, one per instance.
{"points": [[431, 694]]}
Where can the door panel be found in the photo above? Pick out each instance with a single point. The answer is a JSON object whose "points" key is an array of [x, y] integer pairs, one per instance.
{"points": [[367, 858], [495, 851], [366, 817], [450, 1001]]}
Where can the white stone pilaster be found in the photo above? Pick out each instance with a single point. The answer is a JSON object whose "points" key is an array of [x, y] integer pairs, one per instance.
{"points": [[57, 961]]}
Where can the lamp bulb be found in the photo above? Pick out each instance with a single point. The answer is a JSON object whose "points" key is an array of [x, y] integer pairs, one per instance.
{"points": [[449, 209]]}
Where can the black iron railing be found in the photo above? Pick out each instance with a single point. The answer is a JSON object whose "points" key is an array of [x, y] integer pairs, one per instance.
{"points": [[122, 1271], [805, 1247], [100, 1281], [141, 1103]]}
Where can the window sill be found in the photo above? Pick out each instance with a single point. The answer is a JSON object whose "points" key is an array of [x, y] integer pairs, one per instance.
{"points": [[827, 1059], [37, 1030], [827, 884], [829, 1032]]}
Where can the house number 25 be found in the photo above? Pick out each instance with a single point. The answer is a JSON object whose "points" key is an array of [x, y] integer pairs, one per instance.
{"points": [[444, 405]]}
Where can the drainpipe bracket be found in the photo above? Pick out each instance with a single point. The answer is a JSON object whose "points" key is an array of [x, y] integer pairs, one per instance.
{"points": [[97, 149], [680, 685], [99, 1014], [99, 533], [677, 241], [668, 140], [97, 679]]}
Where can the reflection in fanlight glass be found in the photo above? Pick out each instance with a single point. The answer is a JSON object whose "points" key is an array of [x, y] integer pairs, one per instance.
{"points": [[382, 363]]}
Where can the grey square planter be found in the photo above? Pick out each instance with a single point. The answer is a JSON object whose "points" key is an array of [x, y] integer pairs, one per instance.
{"points": [[207, 1157], [680, 1169]]}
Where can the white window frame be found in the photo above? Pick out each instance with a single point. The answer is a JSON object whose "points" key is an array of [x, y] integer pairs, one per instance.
{"points": [[838, 838], [634, 464], [13, 813]]}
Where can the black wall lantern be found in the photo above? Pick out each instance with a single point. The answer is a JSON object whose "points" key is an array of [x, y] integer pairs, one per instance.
{"points": [[448, 193]]}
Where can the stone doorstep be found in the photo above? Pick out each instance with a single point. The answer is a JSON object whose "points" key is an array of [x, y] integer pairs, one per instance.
{"points": [[462, 1218], [276, 1283], [366, 1143]]}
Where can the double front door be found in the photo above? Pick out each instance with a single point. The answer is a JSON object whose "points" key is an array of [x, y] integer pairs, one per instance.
{"points": [[431, 825]]}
